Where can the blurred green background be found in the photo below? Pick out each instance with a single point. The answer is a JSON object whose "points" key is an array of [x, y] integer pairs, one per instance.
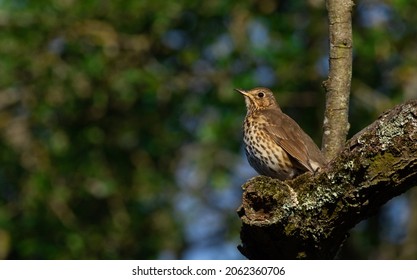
{"points": [[121, 133]]}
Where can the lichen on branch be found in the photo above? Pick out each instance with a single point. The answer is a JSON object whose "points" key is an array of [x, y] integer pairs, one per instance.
{"points": [[310, 216]]}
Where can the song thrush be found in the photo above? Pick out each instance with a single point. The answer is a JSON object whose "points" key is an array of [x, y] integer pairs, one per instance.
{"points": [[275, 145]]}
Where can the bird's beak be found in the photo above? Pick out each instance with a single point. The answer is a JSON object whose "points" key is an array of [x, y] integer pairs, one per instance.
{"points": [[248, 98], [241, 91]]}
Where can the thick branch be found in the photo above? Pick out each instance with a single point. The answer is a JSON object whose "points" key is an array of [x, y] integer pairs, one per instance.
{"points": [[309, 217], [337, 85]]}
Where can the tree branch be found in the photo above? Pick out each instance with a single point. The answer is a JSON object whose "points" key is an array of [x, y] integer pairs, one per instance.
{"points": [[337, 86], [309, 217]]}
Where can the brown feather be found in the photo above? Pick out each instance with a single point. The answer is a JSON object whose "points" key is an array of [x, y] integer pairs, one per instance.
{"points": [[288, 134]]}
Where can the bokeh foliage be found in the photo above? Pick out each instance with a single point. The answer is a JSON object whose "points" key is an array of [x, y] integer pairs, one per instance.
{"points": [[120, 128]]}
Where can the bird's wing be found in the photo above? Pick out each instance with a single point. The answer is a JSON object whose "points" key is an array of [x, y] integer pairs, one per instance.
{"points": [[288, 135]]}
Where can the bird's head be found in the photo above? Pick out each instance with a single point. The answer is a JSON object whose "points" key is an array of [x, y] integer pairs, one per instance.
{"points": [[259, 98]]}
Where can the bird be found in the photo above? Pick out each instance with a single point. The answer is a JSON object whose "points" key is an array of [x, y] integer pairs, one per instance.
{"points": [[275, 145]]}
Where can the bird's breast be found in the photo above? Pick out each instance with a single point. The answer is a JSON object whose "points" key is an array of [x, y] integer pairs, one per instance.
{"points": [[263, 154]]}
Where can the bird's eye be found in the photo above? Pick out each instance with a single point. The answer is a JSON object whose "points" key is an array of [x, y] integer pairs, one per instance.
{"points": [[261, 94]]}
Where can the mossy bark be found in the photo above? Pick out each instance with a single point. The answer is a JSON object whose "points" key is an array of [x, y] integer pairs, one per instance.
{"points": [[309, 217]]}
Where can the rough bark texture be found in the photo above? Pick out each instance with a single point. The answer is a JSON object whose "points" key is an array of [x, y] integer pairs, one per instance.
{"points": [[310, 216], [337, 86]]}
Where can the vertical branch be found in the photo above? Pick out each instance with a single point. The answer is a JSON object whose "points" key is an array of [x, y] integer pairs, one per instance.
{"points": [[337, 85]]}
